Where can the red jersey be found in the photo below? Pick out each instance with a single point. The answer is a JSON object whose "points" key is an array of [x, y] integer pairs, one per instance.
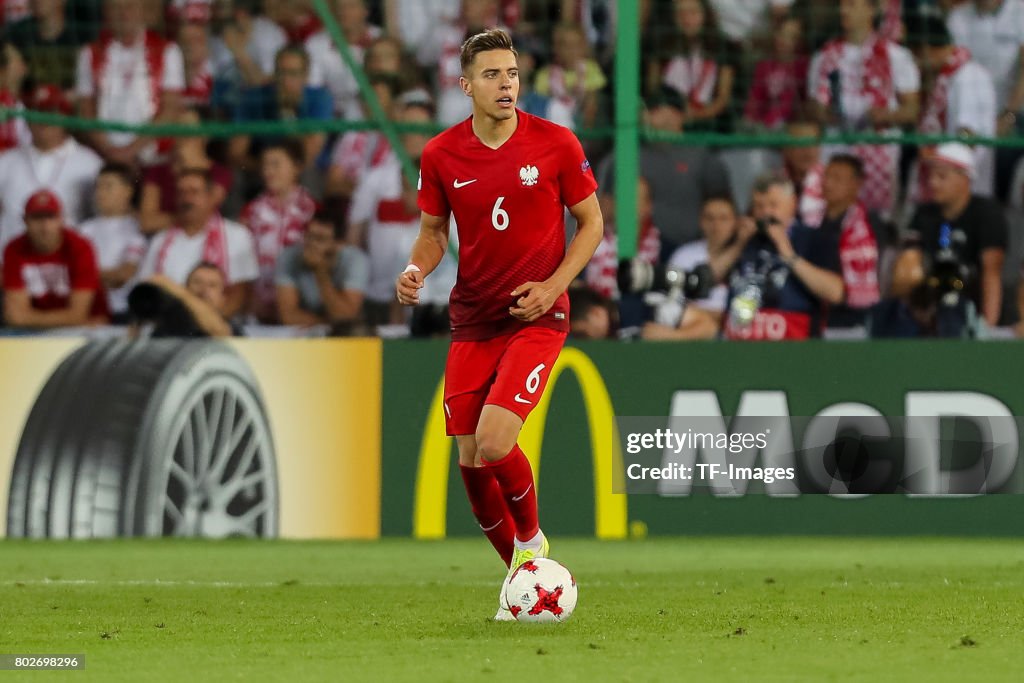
{"points": [[50, 278], [508, 206]]}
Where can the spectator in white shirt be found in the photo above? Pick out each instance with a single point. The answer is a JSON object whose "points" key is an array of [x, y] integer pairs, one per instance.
{"points": [[961, 100], [993, 30], [54, 161], [441, 49], [861, 81], [327, 66], [203, 235], [131, 75], [414, 20], [115, 236], [701, 319], [384, 216], [243, 54], [358, 151], [739, 19]]}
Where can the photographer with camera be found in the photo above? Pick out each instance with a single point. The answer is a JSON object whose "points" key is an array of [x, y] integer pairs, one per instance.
{"points": [[193, 310], [952, 268], [778, 270], [702, 318]]}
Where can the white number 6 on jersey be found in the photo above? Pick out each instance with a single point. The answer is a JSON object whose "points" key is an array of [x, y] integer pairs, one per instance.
{"points": [[499, 216], [533, 380]]}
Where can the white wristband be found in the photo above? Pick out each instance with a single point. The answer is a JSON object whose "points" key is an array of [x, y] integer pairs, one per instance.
{"points": [[411, 268]]}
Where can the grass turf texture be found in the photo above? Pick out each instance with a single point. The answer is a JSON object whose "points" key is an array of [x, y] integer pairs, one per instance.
{"points": [[765, 609]]}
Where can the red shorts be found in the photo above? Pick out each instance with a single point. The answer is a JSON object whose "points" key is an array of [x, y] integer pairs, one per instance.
{"points": [[510, 371]]}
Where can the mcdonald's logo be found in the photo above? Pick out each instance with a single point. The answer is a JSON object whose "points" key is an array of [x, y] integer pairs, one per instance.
{"points": [[610, 519]]}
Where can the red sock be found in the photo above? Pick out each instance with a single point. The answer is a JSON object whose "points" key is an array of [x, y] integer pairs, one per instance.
{"points": [[515, 477], [489, 509]]}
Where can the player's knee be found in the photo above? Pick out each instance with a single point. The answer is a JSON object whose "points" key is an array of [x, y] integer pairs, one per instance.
{"points": [[468, 455], [492, 445]]}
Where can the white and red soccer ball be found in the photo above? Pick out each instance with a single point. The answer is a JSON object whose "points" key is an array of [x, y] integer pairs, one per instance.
{"points": [[540, 591]]}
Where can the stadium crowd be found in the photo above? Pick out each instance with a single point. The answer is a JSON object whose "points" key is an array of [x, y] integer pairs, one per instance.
{"points": [[886, 240]]}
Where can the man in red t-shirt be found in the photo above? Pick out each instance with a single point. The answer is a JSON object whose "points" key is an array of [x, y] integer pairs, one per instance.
{"points": [[505, 176], [50, 274]]}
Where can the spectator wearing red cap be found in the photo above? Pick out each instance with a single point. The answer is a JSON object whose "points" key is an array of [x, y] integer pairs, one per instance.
{"points": [[50, 275], [959, 225], [54, 161], [130, 75]]}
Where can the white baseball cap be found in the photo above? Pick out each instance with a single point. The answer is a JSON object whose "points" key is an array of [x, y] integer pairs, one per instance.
{"points": [[956, 154]]}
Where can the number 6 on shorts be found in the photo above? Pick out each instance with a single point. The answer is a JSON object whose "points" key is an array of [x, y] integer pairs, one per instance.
{"points": [[533, 380]]}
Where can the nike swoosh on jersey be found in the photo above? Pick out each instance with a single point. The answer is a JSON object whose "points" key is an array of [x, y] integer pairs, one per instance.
{"points": [[457, 184], [520, 399]]}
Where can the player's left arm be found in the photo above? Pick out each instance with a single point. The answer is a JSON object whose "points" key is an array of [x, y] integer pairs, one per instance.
{"points": [[537, 298]]}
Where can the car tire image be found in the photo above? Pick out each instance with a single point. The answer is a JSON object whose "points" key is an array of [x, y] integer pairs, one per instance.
{"points": [[146, 438]]}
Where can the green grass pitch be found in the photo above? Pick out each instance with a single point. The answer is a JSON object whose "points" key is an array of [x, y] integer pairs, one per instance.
{"points": [[722, 609]]}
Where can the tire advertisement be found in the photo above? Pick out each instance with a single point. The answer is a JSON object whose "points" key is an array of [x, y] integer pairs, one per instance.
{"points": [[345, 438], [190, 438]]}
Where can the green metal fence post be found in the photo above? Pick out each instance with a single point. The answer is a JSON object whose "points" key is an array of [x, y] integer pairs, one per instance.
{"points": [[627, 125]]}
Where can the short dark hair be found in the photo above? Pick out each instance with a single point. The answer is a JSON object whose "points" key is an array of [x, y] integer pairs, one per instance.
{"points": [[201, 173], [123, 172], [292, 49], [720, 198], [207, 265], [324, 217], [582, 299], [852, 161], [925, 29], [292, 147], [494, 39]]}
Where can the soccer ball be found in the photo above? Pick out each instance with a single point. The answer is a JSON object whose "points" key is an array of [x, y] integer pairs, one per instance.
{"points": [[541, 590]]}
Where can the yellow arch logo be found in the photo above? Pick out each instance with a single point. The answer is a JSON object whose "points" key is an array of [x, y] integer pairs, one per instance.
{"points": [[610, 519]]}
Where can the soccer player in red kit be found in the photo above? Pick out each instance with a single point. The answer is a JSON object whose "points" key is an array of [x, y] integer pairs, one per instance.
{"points": [[505, 176]]}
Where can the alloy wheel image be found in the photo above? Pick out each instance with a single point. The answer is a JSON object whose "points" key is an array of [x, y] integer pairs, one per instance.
{"points": [[146, 438]]}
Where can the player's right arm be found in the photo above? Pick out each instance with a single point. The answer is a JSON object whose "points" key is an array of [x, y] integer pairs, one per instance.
{"points": [[427, 252]]}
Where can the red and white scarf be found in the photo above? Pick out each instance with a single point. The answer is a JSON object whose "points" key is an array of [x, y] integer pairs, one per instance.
{"points": [[277, 223], [858, 254], [936, 110], [877, 83], [812, 197], [154, 47], [199, 86], [9, 129], [215, 246], [891, 26], [693, 77]]}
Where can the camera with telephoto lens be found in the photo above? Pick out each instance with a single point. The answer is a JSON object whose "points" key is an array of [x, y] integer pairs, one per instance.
{"points": [[664, 288], [942, 302], [948, 278], [637, 276]]}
